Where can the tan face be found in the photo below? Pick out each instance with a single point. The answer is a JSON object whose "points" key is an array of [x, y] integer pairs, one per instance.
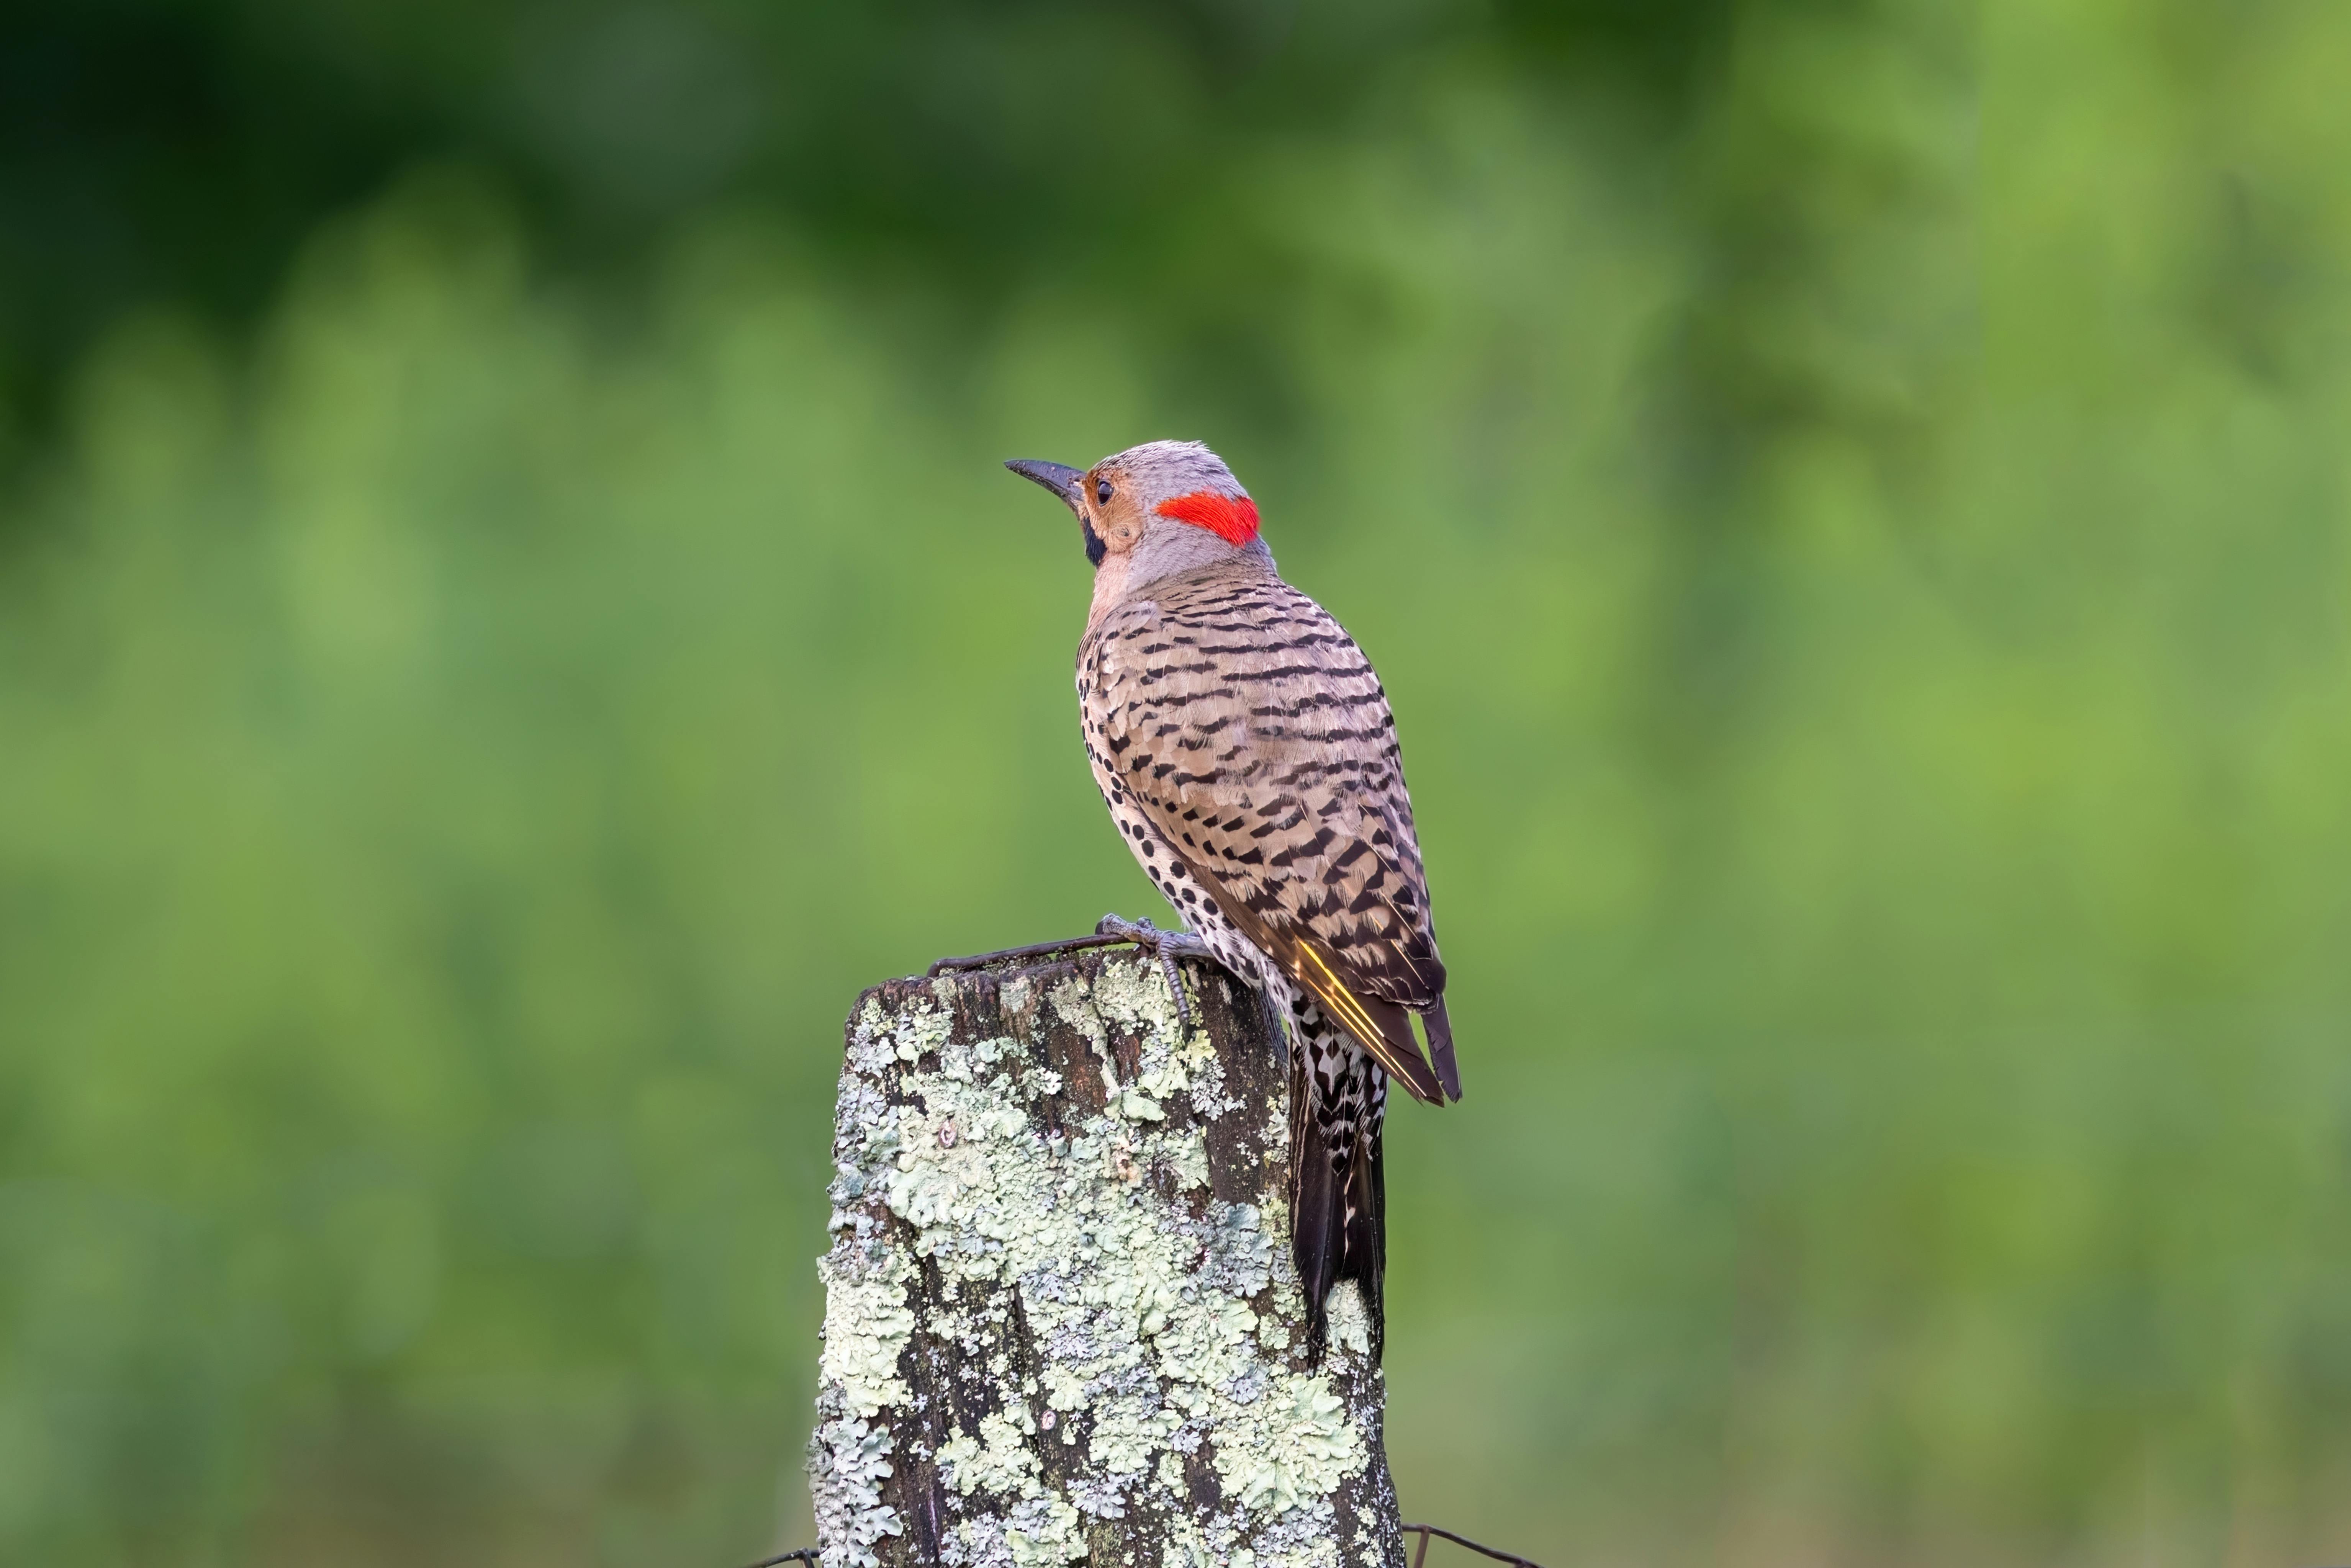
{"points": [[1122, 527], [1110, 511]]}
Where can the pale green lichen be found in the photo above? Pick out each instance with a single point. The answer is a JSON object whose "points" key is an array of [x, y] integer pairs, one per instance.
{"points": [[999, 1459], [848, 1465], [1141, 1307], [866, 1326], [1044, 1537], [1314, 1447], [1350, 1326]]}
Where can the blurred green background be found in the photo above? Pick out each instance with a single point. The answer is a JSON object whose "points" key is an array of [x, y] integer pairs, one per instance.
{"points": [[509, 619]]}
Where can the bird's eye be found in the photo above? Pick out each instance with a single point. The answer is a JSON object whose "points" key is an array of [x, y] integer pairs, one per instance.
{"points": [[1102, 491]]}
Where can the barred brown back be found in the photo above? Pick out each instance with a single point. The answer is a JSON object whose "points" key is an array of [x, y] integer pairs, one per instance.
{"points": [[1251, 733]]}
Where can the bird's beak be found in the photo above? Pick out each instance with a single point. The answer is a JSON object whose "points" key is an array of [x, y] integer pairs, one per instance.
{"points": [[1059, 478]]}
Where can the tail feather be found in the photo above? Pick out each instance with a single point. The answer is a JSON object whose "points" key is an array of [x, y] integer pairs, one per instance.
{"points": [[1317, 1209], [1366, 1262], [1440, 1048], [1338, 1223]]}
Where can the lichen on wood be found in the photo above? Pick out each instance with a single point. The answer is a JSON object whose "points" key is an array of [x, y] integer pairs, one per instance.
{"points": [[1061, 1324]]}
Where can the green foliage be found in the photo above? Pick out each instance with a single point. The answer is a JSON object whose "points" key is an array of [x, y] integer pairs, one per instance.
{"points": [[1863, 581], [182, 148]]}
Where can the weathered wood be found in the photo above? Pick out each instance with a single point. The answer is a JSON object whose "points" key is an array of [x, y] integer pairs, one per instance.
{"points": [[1061, 1324]]}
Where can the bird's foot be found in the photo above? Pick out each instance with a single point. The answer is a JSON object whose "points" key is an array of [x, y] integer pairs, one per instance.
{"points": [[1164, 946]]}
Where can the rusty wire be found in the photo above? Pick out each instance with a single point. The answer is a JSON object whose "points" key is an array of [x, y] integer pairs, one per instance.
{"points": [[1426, 1532], [1034, 950]]}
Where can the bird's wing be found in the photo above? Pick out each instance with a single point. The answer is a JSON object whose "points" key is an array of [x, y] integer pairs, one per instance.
{"points": [[1247, 728]]}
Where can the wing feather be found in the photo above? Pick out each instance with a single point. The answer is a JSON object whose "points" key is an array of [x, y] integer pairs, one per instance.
{"points": [[1250, 732]]}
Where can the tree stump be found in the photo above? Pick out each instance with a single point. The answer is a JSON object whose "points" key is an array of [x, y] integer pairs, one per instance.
{"points": [[1061, 1322]]}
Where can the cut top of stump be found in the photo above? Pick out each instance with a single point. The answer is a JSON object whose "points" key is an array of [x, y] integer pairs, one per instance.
{"points": [[1061, 1324]]}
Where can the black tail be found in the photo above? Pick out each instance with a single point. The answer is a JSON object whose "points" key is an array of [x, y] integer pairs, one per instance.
{"points": [[1440, 1048], [1338, 1213]]}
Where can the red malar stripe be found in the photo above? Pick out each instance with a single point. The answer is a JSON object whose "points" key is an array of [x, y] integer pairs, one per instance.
{"points": [[1231, 517]]}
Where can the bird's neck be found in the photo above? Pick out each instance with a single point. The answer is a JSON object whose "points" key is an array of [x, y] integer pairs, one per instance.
{"points": [[1120, 579], [1110, 589]]}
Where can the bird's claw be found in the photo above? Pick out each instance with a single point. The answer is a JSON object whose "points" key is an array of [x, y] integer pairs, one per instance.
{"points": [[1164, 946]]}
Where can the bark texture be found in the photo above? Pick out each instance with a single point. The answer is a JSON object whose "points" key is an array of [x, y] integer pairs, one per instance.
{"points": [[1061, 1324]]}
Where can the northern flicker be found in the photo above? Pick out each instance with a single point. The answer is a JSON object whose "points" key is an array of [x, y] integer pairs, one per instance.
{"points": [[1246, 753]]}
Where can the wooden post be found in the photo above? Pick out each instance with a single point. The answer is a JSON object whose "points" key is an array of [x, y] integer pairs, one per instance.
{"points": [[1061, 1324]]}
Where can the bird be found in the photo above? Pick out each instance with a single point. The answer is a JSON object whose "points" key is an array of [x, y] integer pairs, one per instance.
{"points": [[1245, 748]]}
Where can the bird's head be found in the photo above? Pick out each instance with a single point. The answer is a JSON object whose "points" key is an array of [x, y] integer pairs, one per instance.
{"points": [[1152, 511]]}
